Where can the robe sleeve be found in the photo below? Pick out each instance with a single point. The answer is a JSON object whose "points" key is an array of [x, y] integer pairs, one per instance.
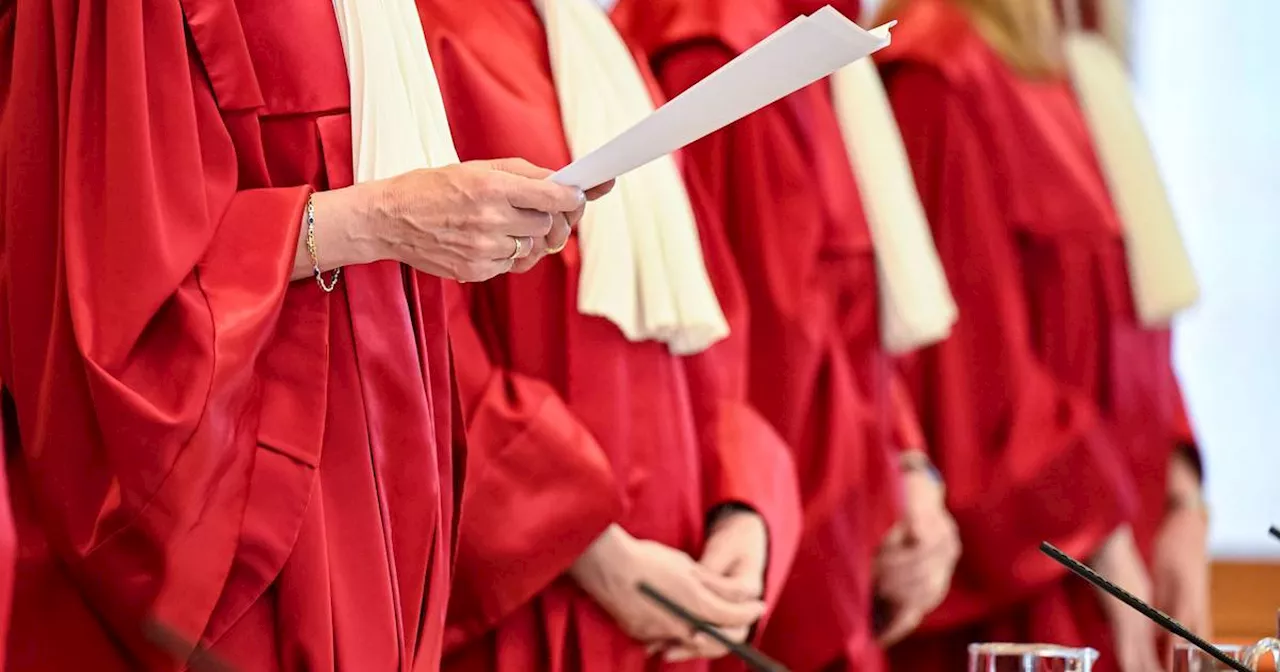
{"points": [[539, 489], [8, 555], [905, 425], [1184, 434], [152, 347], [1026, 458]]}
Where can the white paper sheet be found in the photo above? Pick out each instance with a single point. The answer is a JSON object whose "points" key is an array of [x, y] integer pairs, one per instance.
{"points": [[796, 55]]}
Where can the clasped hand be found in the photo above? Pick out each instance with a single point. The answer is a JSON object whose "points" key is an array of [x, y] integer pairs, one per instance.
{"points": [[917, 558], [724, 588]]}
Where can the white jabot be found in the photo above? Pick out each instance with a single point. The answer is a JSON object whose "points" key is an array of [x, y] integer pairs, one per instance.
{"points": [[916, 306], [642, 265], [398, 121], [1160, 273]]}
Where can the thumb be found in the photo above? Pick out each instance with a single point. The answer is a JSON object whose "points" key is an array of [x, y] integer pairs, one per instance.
{"points": [[732, 588], [720, 554], [895, 536]]}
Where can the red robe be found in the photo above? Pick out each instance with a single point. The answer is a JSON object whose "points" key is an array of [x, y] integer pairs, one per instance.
{"points": [[571, 427], [248, 461], [8, 554], [1051, 411], [787, 195]]}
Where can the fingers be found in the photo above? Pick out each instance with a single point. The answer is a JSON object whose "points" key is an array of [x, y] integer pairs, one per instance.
{"points": [[479, 271], [596, 192], [712, 607], [894, 538], [540, 195], [559, 234], [702, 646], [903, 623], [719, 556], [915, 578], [518, 166], [538, 250], [913, 589], [732, 588], [575, 217], [520, 222]]}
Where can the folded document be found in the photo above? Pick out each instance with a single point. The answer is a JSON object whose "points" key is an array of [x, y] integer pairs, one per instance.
{"points": [[797, 55]]}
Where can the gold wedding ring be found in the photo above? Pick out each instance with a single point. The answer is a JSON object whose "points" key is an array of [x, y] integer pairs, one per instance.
{"points": [[558, 249], [518, 252]]}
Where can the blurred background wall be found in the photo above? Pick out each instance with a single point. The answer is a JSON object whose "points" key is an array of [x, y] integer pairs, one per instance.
{"points": [[1208, 81]]}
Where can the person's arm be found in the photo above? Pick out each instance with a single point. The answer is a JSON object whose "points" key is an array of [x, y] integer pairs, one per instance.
{"points": [[1026, 458], [148, 300], [145, 293], [8, 555], [539, 489]]}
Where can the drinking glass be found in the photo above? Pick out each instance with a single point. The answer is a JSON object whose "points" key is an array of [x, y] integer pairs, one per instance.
{"points": [[999, 657], [1187, 658]]}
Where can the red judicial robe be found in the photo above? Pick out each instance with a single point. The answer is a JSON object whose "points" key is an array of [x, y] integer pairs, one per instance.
{"points": [[787, 195], [8, 554], [1051, 411], [248, 461], [570, 426]]}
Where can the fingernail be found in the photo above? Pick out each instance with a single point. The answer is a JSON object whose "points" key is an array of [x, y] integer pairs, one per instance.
{"points": [[582, 197]]}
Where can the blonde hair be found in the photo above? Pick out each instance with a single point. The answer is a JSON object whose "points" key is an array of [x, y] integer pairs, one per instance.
{"points": [[1025, 33]]}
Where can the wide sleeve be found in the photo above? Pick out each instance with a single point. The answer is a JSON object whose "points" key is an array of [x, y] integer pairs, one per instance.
{"points": [[8, 555], [1025, 458], [904, 424], [142, 297], [1183, 432], [539, 488]]}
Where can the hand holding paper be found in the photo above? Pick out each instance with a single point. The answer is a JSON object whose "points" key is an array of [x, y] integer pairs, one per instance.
{"points": [[798, 54]]}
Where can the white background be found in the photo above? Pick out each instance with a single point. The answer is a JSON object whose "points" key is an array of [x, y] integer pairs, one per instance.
{"points": [[1208, 79]]}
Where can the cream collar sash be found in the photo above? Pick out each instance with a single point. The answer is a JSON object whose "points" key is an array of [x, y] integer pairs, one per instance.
{"points": [[1160, 273], [398, 121], [642, 265], [916, 306]]}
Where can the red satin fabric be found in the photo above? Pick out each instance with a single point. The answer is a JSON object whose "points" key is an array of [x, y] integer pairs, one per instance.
{"points": [[197, 440], [790, 204], [571, 426], [1051, 411], [8, 554]]}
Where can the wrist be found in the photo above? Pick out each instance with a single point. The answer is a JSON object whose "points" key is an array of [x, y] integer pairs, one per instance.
{"points": [[918, 462], [1187, 503], [347, 228], [722, 512], [607, 551]]}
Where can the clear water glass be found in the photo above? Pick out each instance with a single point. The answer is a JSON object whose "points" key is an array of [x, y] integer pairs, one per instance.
{"points": [[1187, 658], [999, 657]]}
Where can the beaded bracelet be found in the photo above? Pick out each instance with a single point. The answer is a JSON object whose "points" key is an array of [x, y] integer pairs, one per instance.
{"points": [[311, 250]]}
